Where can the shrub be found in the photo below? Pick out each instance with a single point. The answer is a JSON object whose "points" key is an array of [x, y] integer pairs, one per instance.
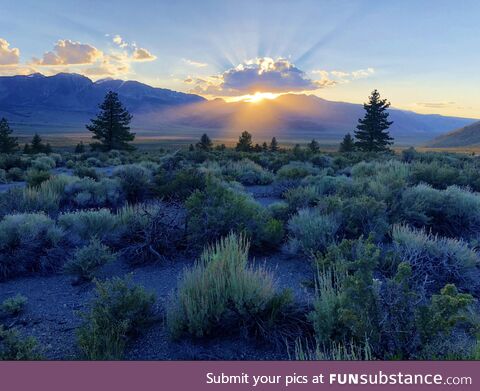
{"points": [[222, 292], [302, 197], [3, 176], [88, 260], [43, 163], [29, 243], [86, 172], [181, 184], [279, 210], [36, 177], [310, 231], [88, 193], [14, 305], [437, 261], [135, 181], [453, 212], [15, 174], [345, 307], [296, 170], [120, 311], [219, 209], [247, 172], [87, 224], [14, 347]]}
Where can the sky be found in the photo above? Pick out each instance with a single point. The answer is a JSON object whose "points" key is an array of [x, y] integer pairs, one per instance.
{"points": [[423, 55]]}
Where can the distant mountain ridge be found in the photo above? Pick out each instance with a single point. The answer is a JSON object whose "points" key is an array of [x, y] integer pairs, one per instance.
{"points": [[467, 136], [64, 103]]}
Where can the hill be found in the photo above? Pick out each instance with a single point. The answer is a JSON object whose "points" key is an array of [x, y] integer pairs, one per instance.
{"points": [[467, 136]]}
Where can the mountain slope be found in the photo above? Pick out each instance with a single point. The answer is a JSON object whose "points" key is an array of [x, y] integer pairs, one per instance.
{"points": [[467, 136], [64, 103]]}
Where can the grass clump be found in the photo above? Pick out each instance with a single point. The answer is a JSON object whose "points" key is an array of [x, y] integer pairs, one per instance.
{"points": [[223, 292], [88, 260], [119, 312], [14, 305], [14, 347]]}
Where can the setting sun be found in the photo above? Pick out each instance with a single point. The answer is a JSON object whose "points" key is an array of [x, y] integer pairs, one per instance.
{"points": [[256, 97]]}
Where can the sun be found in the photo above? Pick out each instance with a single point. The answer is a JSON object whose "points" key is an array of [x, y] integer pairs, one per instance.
{"points": [[259, 96]]}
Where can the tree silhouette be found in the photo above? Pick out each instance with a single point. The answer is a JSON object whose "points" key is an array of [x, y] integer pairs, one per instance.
{"points": [[371, 133], [347, 144], [244, 142], [8, 144], [273, 145], [205, 144], [111, 127]]}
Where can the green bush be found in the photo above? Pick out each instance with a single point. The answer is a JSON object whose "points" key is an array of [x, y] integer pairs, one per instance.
{"points": [[88, 260], [15, 174], [86, 172], [29, 243], [119, 312], [86, 224], [222, 292], [453, 212], [135, 181], [437, 261], [302, 197], [180, 184], [14, 305], [310, 231], [3, 176], [247, 172], [219, 209], [297, 170], [14, 347], [43, 163], [89, 193], [36, 177]]}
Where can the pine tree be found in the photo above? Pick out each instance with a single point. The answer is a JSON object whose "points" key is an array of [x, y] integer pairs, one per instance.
{"points": [[191, 148], [244, 142], [80, 148], [348, 144], [274, 145], [8, 144], [205, 144], [37, 146], [264, 146], [371, 133], [111, 127], [314, 146], [257, 148]]}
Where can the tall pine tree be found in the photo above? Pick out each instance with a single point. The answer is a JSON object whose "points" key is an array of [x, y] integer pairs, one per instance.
{"points": [[371, 133], [205, 144], [347, 144], [8, 144], [111, 127]]}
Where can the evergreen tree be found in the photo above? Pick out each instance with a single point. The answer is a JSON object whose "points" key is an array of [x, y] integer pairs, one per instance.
{"points": [[274, 145], [205, 144], [111, 127], [37, 145], [191, 148], [8, 144], [244, 142], [80, 148], [314, 146], [371, 133], [348, 144], [257, 148], [264, 146]]}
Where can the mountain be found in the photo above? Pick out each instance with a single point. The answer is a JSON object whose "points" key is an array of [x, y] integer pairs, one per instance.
{"points": [[64, 103], [467, 136]]}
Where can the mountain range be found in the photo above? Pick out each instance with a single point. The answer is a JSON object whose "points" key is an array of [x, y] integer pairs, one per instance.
{"points": [[64, 103], [467, 136]]}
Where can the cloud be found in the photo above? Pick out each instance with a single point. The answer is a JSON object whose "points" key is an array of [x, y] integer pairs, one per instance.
{"points": [[141, 54], [118, 40], [263, 74], [436, 105], [344, 77], [195, 63], [8, 56], [67, 52]]}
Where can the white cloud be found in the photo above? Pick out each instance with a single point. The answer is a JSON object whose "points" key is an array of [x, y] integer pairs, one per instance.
{"points": [[141, 54], [8, 56], [262, 74], [344, 77], [67, 52], [195, 63]]}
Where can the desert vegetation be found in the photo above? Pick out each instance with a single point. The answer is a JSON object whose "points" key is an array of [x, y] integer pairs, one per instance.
{"points": [[257, 251]]}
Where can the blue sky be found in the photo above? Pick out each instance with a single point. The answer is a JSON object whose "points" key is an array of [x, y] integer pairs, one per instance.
{"points": [[423, 55]]}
